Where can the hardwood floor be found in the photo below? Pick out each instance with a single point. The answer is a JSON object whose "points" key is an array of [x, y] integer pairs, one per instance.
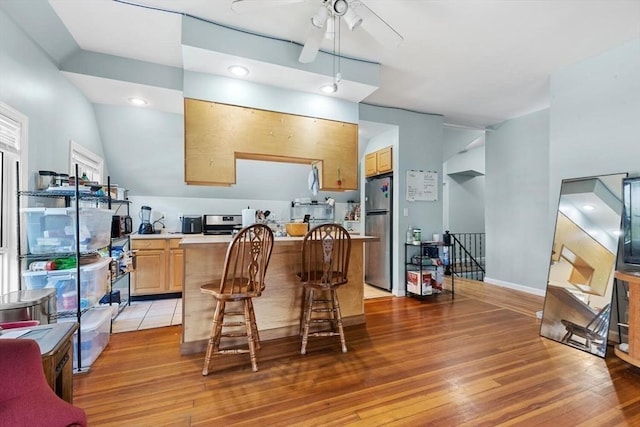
{"points": [[476, 360]]}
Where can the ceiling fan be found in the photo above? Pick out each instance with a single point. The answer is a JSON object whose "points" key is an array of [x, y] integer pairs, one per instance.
{"points": [[324, 22]]}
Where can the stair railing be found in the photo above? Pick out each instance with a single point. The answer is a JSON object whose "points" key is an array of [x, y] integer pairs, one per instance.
{"points": [[466, 255]]}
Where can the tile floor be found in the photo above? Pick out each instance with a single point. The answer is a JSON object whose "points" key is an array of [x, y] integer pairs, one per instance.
{"points": [[373, 292], [149, 314], [167, 312]]}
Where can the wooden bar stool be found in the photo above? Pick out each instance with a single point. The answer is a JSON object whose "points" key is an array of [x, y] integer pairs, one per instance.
{"points": [[325, 263], [242, 279]]}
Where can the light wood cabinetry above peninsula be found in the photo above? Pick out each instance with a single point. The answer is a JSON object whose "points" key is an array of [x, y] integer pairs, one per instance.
{"points": [[218, 134]]}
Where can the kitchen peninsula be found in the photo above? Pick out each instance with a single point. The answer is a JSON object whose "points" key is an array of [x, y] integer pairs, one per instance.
{"points": [[278, 309]]}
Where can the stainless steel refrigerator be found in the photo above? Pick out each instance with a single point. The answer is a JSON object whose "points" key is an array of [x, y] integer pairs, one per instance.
{"points": [[378, 203]]}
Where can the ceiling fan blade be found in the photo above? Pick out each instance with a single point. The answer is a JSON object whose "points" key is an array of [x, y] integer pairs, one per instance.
{"points": [[376, 26], [312, 45], [243, 6]]}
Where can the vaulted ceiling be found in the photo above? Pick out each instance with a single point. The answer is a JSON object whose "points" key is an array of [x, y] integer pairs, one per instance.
{"points": [[476, 63]]}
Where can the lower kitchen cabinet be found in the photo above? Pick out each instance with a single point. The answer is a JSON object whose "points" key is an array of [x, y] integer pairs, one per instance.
{"points": [[159, 266], [176, 266]]}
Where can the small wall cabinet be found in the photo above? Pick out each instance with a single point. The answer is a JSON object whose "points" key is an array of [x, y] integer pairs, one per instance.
{"points": [[378, 162], [159, 266]]}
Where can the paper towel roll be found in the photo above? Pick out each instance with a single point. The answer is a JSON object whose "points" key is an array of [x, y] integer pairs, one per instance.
{"points": [[248, 217]]}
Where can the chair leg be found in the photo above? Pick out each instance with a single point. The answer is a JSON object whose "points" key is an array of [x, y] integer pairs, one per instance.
{"points": [[307, 320], [214, 337], [248, 316], [303, 309], [256, 334], [336, 307]]}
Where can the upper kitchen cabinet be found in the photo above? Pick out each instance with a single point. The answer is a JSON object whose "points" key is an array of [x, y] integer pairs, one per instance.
{"points": [[218, 134], [378, 162]]}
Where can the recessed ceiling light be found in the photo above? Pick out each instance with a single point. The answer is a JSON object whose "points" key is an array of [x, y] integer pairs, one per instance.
{"points": [[238, 70], [138, 101], [332, 88]]}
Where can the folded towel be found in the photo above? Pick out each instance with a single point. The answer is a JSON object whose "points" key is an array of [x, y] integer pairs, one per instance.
{"points": [[313, 180]]}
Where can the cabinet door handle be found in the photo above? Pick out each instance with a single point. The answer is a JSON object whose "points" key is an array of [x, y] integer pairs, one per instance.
{"points": [[62, 362]]}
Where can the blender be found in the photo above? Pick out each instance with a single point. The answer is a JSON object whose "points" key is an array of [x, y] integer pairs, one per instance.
{"points": [[145, 225]]}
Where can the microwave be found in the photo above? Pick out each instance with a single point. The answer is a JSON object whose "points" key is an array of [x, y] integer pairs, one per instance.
{"points": [[121, 225]]}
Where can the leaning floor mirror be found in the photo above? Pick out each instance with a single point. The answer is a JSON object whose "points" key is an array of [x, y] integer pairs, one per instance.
{"points": [[577, 305]]}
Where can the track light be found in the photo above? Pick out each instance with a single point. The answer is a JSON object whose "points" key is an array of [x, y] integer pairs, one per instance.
{"points": [[352, 19], [320, 18], [331, 30], [340, 7]]}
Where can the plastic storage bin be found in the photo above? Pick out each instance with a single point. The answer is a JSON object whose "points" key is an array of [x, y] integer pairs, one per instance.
{"points": [[53, 230], [94, 283], [95, 328]]}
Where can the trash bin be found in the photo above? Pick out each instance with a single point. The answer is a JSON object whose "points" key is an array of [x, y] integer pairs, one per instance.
{"points": [[33, 304]]}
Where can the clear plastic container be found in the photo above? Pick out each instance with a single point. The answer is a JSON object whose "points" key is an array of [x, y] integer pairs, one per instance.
{"points": [[95, 328], [53, 230], [94, 283]]}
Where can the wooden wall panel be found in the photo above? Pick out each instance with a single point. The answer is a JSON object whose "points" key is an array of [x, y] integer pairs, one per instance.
{"points": [[217, 134]]}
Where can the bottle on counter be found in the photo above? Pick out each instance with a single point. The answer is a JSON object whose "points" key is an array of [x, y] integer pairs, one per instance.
{"points": [[64, 263], [409, 234], [42, 266], [417, 235], [56, 264]]}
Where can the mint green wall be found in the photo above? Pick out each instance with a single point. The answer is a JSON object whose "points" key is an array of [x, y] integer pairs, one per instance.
{"points": [[591, 128], [595, 117], [463, 187], [58, 112], [517, 203], [419, 147]]}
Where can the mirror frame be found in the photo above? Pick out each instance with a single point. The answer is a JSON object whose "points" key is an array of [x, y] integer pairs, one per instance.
{"points": [[580, 279]]}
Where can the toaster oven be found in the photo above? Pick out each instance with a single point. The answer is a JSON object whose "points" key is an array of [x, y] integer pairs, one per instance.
{"points": [[221, 224]]}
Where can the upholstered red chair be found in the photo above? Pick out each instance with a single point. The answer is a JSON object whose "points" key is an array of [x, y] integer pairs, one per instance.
{"points": [[25, 396]]}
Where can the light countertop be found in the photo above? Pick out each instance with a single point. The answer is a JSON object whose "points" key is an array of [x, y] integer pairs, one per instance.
{"points": [[224, 238]]}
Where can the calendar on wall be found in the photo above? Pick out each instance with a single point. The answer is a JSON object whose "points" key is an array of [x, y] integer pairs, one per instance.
{"points": [[422, 186]]}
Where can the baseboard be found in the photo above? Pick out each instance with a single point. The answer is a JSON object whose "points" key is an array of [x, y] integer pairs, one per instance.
{"points": [[172, 295], [514, 286]]}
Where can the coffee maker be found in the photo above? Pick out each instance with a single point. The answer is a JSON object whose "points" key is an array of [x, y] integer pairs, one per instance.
{"points": [[146, 227]]}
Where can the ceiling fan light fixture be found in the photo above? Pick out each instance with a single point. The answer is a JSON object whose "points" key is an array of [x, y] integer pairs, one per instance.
{"points": [[238, 70], [352, 19], [331, 30], [332, 88], [320, 18], [340, 7]]}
